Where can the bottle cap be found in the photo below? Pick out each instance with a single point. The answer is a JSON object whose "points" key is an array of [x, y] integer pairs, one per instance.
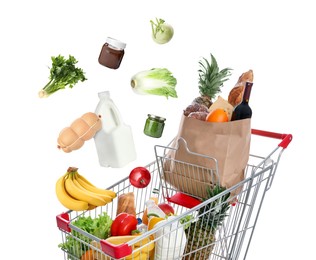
{"points": [[104, 94], [150, 202], [116, 43]]}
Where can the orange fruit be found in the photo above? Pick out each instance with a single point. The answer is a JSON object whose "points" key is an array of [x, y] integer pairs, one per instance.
{"points": [[217, 115], [152, 222]]}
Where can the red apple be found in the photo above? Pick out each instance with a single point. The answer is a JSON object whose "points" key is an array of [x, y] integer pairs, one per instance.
{"points": [[167, 208], [140, 177]]}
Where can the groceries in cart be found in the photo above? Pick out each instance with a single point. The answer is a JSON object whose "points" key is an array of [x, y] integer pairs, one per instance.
{"points": [[202, 232], [200, 197], [126, 203], [218, 226], [77, 244], [123, 224]]}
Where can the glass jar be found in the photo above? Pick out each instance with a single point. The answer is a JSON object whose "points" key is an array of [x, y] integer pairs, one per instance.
{"points": [[154, 126], [112, 53]]}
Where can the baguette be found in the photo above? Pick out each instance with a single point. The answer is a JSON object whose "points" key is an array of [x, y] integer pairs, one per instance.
{"points": [[235, 95], [126, 203]]}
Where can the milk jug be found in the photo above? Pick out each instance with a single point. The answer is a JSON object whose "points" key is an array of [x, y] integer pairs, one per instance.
{"points": [[114, 142], [171, 240]]}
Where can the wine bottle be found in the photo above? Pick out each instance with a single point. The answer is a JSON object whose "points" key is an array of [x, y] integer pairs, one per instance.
{"points": [[243, 110]]}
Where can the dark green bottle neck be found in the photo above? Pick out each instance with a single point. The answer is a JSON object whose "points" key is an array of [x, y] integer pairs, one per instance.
{"points": [[247, 91]]}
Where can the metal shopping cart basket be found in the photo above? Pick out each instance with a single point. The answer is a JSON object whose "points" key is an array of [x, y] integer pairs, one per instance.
{"points": [[218, 227]]}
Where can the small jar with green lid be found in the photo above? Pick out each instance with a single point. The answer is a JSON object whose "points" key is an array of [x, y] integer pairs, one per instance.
{"points": [[154, 126]]}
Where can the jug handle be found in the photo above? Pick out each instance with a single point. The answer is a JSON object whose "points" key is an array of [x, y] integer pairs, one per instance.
{"points": [[117, 115]]}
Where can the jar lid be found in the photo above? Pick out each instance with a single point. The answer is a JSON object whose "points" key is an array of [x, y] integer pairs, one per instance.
{"points": [[159, 118], [116, 43]]}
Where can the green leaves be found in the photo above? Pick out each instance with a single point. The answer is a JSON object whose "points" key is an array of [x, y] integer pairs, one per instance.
{"points": [[211, 79], [214, 213], [63, 73], [99, 227], [157, 81], [156, 27]]}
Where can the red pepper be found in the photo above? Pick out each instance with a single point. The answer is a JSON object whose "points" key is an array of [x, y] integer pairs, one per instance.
{"points": [[123, 224]]}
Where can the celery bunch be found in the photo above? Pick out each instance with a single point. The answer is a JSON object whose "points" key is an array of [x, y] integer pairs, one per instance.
{"points": [[63, 73]]}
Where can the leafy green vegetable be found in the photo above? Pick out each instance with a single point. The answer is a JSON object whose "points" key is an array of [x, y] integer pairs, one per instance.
{"points": [[99, 227], [157, 81], [186, 221], [62, 73]]}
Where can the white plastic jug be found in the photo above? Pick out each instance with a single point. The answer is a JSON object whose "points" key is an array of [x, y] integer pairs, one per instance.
{"points": [[114, 142], [171, 240]]}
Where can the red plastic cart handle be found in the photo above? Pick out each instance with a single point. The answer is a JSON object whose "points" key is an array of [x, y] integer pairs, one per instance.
{"points": [[286, 138]]}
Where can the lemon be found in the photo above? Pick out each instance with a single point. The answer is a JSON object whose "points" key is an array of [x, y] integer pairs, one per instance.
{"points": [[152, 222]]}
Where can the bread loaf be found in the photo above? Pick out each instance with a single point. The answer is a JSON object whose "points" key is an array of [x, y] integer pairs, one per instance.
{"points": [[235, 95], [126, 203]]}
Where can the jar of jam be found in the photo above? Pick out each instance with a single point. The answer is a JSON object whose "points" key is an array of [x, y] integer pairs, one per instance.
{"points": [[112, 53], [154, 126]]}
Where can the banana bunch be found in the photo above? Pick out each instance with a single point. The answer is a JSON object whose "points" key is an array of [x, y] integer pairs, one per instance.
{"points": [[76, 193]]}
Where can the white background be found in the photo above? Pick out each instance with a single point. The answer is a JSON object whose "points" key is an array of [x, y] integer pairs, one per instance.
{"points": [[274, 38]]}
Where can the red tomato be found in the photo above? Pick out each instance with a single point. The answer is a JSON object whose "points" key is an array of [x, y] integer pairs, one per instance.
{"points": [[123, 224], [167, 208], [140, 177]]}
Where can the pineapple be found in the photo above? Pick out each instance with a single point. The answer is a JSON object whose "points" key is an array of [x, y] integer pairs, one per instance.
{"points": [[211, 80], [201, 233]]}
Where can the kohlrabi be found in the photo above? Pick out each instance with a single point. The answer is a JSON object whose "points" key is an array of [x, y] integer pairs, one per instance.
{"points": [[157, 81], [161, 31]]}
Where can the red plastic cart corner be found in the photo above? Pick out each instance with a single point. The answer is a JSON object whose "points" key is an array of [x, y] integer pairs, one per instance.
{"points": [[63, 222], [116, 251]]}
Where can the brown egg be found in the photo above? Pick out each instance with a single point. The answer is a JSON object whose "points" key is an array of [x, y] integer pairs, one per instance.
{"points": [[82, 129], [93, 120]]}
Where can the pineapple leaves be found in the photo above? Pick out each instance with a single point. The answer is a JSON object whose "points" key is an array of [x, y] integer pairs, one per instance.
{"points": [[213, 214], [214, 67], [211, 79]]}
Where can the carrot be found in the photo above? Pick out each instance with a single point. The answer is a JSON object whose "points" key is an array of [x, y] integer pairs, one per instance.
{"points": [[88, 255]]}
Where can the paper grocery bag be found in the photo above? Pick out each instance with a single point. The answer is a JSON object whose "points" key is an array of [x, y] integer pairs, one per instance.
{"points": [[228, 143]]}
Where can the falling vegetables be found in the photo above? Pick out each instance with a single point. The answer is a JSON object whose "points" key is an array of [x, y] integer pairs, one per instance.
{"points": [[157, 81], [63, 73], [162, 32]]}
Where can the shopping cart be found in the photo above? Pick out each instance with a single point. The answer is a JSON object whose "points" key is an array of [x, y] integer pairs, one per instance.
{"points": [[219, 227]]}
